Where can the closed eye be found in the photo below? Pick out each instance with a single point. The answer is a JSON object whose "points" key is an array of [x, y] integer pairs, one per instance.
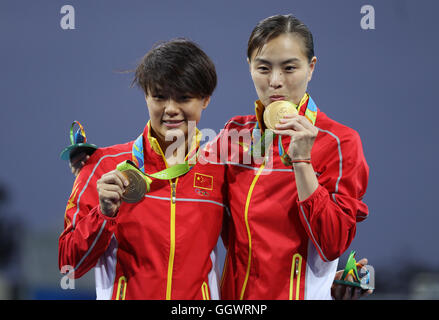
{"points": [[184, 98], [263, 68], [158, 97], [290, 68]]}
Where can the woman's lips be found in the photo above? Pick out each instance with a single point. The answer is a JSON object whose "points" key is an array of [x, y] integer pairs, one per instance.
{"points": [[277, 98], [173, 123]]}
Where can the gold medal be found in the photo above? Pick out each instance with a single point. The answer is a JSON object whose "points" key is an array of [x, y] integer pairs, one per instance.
{"points": [[136, 189], [276, 111]]}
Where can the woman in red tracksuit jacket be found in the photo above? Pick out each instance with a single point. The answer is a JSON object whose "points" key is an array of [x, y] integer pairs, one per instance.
{"points": [[162, 247], [295, 213]]}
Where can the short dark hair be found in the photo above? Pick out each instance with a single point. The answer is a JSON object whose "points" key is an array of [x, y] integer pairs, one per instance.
{"points": [[174, 68], [272, 27]]}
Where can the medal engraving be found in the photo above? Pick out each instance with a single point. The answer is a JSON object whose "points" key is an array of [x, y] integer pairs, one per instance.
{"points": [[276, 111], [136, 189]]}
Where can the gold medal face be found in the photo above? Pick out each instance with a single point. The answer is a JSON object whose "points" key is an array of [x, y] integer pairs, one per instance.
{"points": [[136, 188], [276, 111]]}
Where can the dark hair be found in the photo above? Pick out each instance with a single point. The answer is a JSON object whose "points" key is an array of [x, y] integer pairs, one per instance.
{"points": [[176, 67], [273, 26]]}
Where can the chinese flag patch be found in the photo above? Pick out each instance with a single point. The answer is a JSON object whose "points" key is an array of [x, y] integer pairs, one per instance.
{"points": [[203, 181]]}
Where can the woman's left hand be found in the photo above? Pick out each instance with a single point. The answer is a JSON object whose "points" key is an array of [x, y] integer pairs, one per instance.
{"points": [[345, 292], [303, 134]]}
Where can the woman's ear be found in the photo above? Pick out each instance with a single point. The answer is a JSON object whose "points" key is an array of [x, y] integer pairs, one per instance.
{"points": [[312, 66], [206, 102]]}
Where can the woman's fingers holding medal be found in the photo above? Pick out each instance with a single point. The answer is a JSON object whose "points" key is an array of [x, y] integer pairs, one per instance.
{"points": [[110, 189], [297, 123], [302, 132]]}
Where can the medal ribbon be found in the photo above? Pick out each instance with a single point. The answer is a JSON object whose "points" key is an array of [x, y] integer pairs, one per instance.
{"points": [[166, 174], [310, 114], [79, 136]]}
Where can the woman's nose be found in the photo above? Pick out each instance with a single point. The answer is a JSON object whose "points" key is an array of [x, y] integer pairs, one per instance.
{"points": [[276, 79], [171, 107]]}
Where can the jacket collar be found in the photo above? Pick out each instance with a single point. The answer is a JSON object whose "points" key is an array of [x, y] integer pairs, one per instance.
{"points": [[153, 143]]}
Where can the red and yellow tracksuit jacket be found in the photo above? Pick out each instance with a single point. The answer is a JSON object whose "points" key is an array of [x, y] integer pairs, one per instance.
{"points": [[162, 247], [280, 247]]}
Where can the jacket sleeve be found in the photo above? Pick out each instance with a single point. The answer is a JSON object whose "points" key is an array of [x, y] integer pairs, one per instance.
{"points": [[329, 215], [87, 232]]}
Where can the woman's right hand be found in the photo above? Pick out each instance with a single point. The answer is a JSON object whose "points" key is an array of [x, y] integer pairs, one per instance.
{"points": [[77, 162], [110, 188]]}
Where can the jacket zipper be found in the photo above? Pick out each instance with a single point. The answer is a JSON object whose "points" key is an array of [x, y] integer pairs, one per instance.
{"points": [[173, 192], [172, 241], [247, 225]]}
